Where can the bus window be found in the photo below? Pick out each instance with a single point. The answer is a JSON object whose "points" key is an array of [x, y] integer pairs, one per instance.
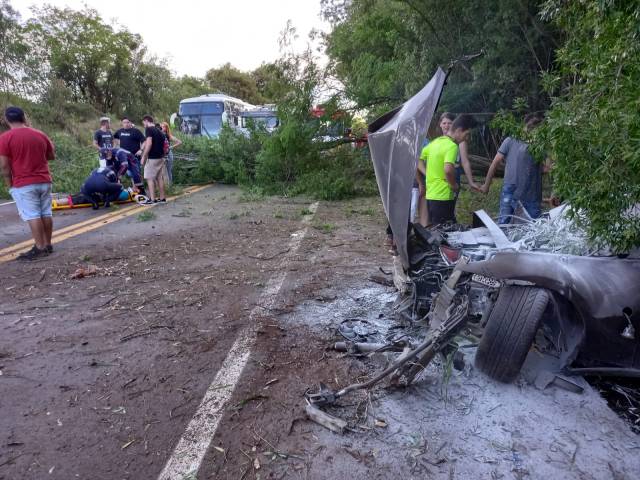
{"points": [[211, 124]]}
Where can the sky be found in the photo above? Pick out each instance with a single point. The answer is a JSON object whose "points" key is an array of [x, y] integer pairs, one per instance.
{"points": [[196, 35]]}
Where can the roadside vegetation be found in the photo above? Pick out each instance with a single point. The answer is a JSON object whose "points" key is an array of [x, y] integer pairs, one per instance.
{"points": [[577, 62]]}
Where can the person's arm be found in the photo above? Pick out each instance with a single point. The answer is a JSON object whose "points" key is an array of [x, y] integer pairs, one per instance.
{"points": [[421, 173], [96, 145], [176, 142], [450, 167], [116, 139], [5, 170], [450, 174], [141, 139], [51, 150], [145, 150], [466, 166], [124, 166], [497, 160]]}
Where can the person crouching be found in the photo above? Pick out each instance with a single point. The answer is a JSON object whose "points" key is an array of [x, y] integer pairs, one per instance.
{"points": [[101, 186]]}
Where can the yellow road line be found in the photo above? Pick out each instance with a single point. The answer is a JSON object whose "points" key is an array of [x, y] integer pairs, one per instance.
{"points": [[9, 253]]}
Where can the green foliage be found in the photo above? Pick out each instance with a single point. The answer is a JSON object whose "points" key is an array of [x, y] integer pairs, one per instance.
{"points": [[593, 129], [19, 68], [228, 79], [469, 202], [146, 216], [72, 164], [385, 50], [206, 168]]}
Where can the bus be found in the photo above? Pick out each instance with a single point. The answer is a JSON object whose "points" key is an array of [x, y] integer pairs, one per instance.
{"points": [[264, 115], [205, 115]]}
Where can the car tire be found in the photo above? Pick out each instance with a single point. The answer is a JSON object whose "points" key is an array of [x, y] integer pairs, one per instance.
{"points": [[510, 331]]}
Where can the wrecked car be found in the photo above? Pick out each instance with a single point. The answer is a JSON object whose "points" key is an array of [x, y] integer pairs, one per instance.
{"points": [[538, 280], [584, 308], [520, 277]]}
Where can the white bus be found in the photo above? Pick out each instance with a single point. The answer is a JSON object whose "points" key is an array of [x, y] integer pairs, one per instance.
{"points": [[206, 114], [264, 115]]}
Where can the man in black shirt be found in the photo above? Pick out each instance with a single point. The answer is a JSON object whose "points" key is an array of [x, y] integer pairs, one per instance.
{"points": [[103, 138], [153, 160], [131, 139]]}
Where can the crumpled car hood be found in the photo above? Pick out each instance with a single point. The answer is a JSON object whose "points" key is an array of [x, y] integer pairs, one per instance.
{"points": [[395, 140], [600, 286]]}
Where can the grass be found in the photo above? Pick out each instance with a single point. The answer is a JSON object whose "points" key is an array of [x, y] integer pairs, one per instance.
{"points": [[325, 227], [253, 194], [368, 211], [469, 201], [237, 215], [305, 211], [146, 216]]}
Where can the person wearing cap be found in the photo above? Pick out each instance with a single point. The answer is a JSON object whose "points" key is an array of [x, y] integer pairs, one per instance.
{"points": [[24, 156], [103, 138]]}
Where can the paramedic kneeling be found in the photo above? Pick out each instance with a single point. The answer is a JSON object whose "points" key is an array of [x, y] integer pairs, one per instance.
{"points": [[102, 186]]}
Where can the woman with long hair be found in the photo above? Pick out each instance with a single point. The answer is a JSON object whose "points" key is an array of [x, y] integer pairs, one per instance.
{"points": [[173, 143]]}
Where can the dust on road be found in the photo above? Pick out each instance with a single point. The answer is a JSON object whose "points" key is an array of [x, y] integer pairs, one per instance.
{"points": [[101, 375]]}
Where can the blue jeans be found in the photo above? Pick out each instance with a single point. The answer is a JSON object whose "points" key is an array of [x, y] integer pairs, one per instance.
{"points": [[33, 201], [509, 204], [169, 166], [134, 171]]}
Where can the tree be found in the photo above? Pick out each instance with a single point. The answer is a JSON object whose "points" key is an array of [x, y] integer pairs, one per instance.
{"points": [[385, 50], [593, 128], [19, 63], [231, 81], [272, 82], [90, 57]]}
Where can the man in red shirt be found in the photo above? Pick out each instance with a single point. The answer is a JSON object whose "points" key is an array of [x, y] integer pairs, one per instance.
{"points": [[24, 153]]}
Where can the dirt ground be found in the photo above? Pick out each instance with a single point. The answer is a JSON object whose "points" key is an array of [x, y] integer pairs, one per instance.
{"points": [[100, 375]]}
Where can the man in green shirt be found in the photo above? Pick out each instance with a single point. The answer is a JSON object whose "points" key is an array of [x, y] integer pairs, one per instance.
{"points": [[439, 160]]}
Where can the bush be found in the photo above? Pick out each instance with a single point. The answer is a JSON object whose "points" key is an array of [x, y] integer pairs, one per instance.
{"points": [[206, 168], [72, 165], [593, 128]]}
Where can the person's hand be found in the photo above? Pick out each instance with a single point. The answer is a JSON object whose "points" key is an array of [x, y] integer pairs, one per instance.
{"points": [[475, 187], [484, 188]]}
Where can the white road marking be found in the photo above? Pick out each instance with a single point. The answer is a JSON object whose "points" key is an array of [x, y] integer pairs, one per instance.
{"points": [[6, 203], [194, 443]]}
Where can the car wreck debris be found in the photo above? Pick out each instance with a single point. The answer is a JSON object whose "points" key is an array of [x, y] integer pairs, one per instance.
{"points": [[530, 282]]}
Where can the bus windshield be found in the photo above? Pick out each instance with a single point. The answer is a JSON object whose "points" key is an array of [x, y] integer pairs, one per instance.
{"points": [[201, 108], [211, 125]]}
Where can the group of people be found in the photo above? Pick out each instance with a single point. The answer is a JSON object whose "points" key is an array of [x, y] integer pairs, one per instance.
{"points": [[130, 151], [25, 153], [444, 159]]}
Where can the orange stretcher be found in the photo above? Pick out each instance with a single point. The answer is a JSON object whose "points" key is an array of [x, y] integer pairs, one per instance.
{"points": [[79, 201]]}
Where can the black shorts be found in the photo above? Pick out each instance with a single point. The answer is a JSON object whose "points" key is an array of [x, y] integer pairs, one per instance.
{"points": [[441, 211]]}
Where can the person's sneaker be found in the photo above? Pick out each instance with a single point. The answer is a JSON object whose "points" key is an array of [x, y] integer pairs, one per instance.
{"points": [[49, 248], [162, 200], [34, 253], [148, 202]]}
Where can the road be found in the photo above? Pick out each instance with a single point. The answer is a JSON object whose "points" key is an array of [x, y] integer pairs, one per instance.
{"points": [[186, 355]]}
